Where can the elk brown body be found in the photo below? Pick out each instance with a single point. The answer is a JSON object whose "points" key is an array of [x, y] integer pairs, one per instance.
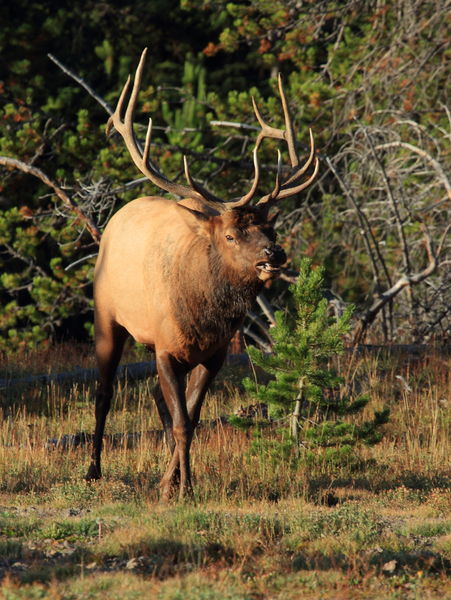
{"points": [[179, 277]]}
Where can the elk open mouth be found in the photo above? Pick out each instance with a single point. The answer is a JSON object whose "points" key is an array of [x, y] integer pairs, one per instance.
{"points": [[268, 268]]}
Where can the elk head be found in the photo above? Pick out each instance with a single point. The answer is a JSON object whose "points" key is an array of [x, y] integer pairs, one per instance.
{"points": [[240, 232], [244, 240]]}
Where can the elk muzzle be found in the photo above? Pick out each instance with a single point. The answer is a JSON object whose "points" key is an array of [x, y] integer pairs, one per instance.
{"points": [[269, 267]]}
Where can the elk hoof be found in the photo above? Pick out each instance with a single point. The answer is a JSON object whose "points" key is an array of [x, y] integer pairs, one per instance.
{"points": [[93, 473], [167, 493], [188, 496]]}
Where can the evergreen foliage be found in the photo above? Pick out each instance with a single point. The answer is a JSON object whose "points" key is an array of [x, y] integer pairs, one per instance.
{"points": [[304, 389]]}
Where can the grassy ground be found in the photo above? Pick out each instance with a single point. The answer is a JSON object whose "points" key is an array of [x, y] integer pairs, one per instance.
{"points": [[257, 530]]}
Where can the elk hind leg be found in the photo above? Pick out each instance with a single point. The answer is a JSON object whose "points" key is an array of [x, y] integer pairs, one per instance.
{"points": [[109, 346], [199, 382]]}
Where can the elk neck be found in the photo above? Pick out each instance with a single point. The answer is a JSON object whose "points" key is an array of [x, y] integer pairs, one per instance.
{"points": [[212, 298]]}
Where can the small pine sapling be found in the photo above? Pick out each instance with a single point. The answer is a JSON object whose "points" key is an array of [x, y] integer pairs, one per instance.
{"points": [[304, 390]]}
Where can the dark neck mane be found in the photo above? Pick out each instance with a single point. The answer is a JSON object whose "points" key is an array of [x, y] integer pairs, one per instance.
{"points": [[211, 300]]}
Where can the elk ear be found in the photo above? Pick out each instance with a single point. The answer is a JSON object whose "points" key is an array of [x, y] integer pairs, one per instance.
{"points": [[273, 218], [195, 219]]}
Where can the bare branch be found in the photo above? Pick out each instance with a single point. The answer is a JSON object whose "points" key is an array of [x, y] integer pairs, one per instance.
{"points": [[434, 163], [393, 201], [234, 124], [82, 83], [266, 308], [403, 282], [264, 345], [253, 318], [80, 260], [69, 202], [365, 228]]}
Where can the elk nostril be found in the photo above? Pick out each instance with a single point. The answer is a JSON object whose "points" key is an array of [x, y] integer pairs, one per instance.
{"points": [[275, 254]]}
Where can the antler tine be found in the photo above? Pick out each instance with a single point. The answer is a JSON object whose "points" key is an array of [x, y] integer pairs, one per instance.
{"points": [[290, 187], [290, 191], [266, 131], [289, 131], [304, 168], [141, 157], [130, 110], [286, 134], [276, 189], [115, 118], [147, 144], [251, 193], [207, 197]]}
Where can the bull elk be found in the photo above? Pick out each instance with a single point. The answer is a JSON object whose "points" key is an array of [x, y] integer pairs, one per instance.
{"points": [[179, 276]]}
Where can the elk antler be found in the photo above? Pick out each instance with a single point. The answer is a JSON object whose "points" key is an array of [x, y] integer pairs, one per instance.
{"points": [[292, 185], [142, 160], [141, 157]]}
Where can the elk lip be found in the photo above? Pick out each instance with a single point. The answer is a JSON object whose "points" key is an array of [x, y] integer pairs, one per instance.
{"points": [[267, 267]]}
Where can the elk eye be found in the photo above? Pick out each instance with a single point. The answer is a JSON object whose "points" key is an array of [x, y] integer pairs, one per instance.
{"points": [[229, 238]]}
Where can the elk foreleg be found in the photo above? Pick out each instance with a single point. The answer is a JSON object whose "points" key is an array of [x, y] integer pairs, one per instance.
{"points": [[109, 346], [199, 381], [172, 381]]}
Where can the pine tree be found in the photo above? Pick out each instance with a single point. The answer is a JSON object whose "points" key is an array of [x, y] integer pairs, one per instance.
{"points": [[303, 386]]}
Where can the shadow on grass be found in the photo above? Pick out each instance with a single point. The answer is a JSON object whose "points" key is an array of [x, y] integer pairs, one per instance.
{"points": [[387, 562], [36, 566], [161, 558], [166, 558], [392, 562], [318, 486]]}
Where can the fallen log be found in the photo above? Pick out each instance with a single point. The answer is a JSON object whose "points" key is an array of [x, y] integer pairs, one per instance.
{"points": [[132, 372]]}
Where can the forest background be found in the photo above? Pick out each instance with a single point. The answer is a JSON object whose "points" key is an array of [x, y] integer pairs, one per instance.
{"points": [[370, 78]]}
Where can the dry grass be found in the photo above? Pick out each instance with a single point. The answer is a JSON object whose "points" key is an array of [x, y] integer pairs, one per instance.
{"points": [[256, 531]]}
